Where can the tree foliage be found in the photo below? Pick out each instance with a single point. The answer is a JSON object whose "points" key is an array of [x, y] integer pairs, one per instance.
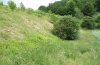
{"points": [[97, 4], [67, 7], [1, 3], [57, 8], [12, 5], [43, 8], [22, 6], [88, 9], [67, 28], [71, 8]]}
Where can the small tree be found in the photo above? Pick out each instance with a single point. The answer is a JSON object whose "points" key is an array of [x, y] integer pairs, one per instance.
{"points": [[67, 28], [1, 3], [88, 9], [22, 6], [12, 5]]}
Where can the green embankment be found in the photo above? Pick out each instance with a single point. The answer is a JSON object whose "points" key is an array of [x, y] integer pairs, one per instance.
{"points": [[26, 39]]}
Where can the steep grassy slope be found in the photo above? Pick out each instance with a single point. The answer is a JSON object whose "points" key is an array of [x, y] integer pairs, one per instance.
{"points": [[26, 39]]}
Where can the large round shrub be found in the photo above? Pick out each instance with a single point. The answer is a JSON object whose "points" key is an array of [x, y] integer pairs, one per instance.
{"points": [[67, 28], [88, 23]]}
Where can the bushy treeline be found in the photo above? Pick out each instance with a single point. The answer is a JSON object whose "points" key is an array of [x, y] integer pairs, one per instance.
{"points": [[68, 7], [67, 28]]}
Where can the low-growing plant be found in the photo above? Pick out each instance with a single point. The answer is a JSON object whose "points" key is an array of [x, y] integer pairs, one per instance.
{"points": [[12, 5], [67, 28], [88, 23]]}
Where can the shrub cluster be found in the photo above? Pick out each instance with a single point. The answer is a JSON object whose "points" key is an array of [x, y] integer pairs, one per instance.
{"points": [[67, 28]]}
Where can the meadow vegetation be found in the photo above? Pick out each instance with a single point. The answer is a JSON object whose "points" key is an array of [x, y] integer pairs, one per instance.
{"points": [[26, 35]]}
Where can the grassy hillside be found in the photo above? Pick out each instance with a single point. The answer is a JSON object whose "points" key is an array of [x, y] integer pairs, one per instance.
{"points": [[26, 39]]}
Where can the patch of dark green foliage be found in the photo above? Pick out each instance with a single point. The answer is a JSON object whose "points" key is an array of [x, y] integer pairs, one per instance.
{"points": [[67, 28], [67, 7], [88, 23], [12, 5], [1, 3]]}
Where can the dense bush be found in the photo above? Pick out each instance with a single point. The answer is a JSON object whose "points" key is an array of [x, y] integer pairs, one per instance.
{"points": [[88, 9], [67, 28], [88, 23], [12, 5]]}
